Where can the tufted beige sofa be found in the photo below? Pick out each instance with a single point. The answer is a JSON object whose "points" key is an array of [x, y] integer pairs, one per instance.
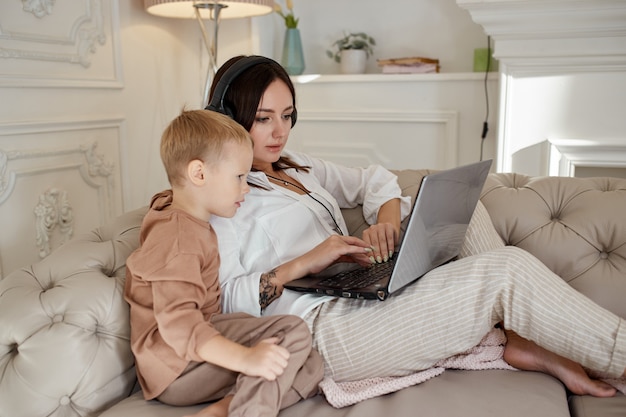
{"points": [[64, 331]]}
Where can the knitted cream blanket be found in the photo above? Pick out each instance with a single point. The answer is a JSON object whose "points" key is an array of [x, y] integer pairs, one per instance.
{"points": [[486, 355]]}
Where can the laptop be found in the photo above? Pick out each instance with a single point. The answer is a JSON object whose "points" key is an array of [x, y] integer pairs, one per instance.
{"points": [[433, 236]]}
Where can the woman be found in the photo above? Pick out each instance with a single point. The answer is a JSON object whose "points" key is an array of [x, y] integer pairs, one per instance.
{"points": [[290, 225]]}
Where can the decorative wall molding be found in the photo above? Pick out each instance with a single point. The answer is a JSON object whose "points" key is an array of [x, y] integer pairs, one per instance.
{"points": [[566, 155], [52, 211], [81, 38], [96, 165], [373, 151], [39, 8], [5, 180], [77, 40], [57, 178], [91, 165], [554, 36], [541, 19], [397, 120]]}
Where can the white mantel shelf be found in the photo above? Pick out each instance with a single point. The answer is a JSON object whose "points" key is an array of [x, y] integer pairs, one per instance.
{"points": [[392, 78]]}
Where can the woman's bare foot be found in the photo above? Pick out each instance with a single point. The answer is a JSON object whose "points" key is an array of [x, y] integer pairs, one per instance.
{"points": [[526, 355], [217, 409]]}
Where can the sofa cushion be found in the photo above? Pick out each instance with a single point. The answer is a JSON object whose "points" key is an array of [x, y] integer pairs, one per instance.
{"points": [[454, 393], [587, 406], [64, 330], [409, 181], [576, 226]]}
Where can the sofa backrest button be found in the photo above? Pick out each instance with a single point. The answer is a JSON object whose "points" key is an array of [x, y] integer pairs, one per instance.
{"points": [[604, 255], [65, 400]]}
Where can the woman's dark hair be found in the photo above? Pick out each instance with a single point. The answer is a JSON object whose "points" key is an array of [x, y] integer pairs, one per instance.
{"points": [[244, 94]]}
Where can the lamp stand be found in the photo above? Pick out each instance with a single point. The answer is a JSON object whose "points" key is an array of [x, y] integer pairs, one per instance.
{"points": [[211, 46]]}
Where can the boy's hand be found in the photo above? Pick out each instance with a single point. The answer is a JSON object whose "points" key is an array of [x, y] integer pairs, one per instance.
{"points": [[266, 359]]}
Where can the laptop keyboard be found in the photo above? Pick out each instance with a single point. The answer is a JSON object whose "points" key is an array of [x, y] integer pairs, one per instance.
{"points": [[359, 278]]}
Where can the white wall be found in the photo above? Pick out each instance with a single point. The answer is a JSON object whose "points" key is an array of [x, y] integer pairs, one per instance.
{"points": [[563, 75], [570, 106], [430, 28], [46, 119], [159, 67], [163, 65], [400, 122]]}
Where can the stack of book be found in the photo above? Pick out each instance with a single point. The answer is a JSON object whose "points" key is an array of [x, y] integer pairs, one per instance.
{"points": [[413, 65]]}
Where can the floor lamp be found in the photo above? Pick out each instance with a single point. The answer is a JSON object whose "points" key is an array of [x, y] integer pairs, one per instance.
{"points": [[212, 10]]}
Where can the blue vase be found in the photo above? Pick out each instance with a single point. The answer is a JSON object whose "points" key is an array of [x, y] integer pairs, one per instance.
{"points": [[293, 57]]}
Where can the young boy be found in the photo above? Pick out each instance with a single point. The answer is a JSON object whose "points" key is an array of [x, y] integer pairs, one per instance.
{"points": [[186, 351]]}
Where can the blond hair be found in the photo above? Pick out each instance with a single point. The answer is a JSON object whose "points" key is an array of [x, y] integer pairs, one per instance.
{"points": [[197, 134]]}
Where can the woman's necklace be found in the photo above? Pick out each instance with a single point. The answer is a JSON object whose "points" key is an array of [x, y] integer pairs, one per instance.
{"points": [[308, 193], [287, 183]]}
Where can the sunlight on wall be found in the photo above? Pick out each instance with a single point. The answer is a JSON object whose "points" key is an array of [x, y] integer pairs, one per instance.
{"points": [[541, 106], [580, 107]]}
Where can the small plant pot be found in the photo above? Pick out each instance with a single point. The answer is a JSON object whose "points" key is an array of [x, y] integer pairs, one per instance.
{"points": [[353, 61]]}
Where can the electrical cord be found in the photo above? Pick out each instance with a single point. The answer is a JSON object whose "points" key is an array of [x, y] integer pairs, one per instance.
{"points": [[483, 135]]}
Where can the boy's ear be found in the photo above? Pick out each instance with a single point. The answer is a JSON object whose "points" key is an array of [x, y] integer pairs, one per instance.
{"points": [[195, 172]]}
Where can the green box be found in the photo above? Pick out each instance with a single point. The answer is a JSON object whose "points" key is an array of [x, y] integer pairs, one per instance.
{"points": [[480, 60]]}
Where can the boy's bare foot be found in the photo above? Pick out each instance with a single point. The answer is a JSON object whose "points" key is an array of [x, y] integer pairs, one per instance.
{"points": [[524, 354], [217, 409]]}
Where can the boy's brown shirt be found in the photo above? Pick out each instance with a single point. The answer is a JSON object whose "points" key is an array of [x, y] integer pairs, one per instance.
{"points": [[173, 289]]}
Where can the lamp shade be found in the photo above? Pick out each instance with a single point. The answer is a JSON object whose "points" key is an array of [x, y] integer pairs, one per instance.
{"points": [[185, 8]]}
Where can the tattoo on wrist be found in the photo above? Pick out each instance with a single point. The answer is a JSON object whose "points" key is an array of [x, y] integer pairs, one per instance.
{"points": [[268, 291]]}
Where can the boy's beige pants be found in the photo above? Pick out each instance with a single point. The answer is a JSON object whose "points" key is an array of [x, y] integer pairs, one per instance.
{"points": [[253, 396]]}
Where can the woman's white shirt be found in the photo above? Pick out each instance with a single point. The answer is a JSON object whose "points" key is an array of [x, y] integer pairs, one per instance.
{"points": [[275, 225]]}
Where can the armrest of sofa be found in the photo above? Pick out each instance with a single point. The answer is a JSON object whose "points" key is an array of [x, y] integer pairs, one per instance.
{"points": [[575, 226], [64, 334]]}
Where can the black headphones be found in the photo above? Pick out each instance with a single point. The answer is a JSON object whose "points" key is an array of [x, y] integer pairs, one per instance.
{"points": [[217, 101]]}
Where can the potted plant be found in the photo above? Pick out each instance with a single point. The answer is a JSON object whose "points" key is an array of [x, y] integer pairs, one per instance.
{"points": [[352, 51]]}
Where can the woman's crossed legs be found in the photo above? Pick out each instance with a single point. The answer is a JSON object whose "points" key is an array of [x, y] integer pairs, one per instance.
{"points": [[449, 311]]}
